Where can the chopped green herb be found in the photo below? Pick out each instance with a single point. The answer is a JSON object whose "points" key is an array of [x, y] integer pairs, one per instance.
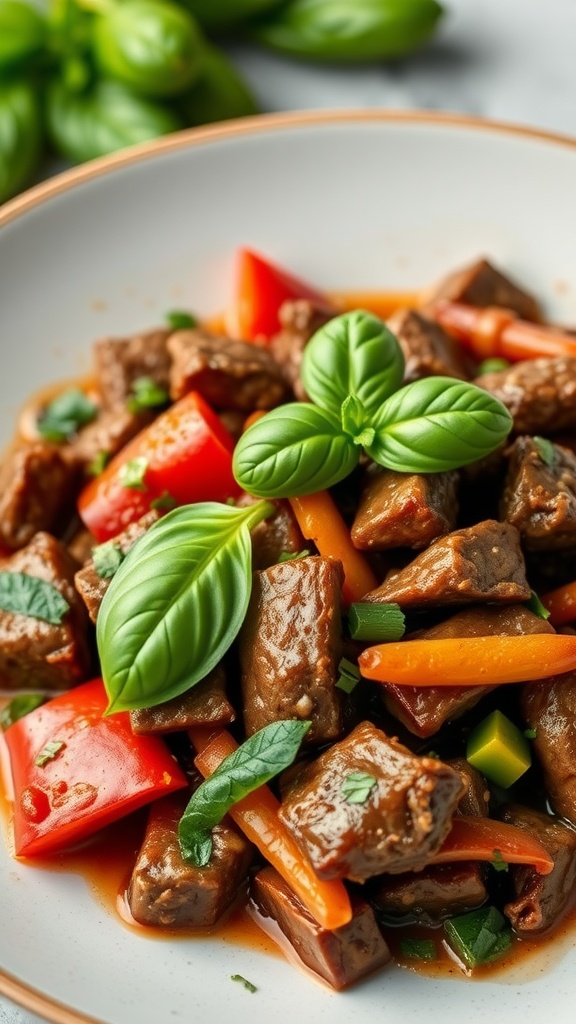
{"points": [[419, 949], [292, 556], [530, 734], [107, 558], [478, 937], [164, 502], [243, 981], [29, 595], [381, 622], [546, 449], [146, 394], [179, 320], [535, 605], [357, 787], [499, 864], [63, 416], [19, 706], [132, 474], [349, 676], [493, 365], [49, 752], [98, 464]]}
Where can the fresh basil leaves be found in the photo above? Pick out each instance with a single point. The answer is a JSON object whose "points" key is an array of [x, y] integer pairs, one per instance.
{"points": [[352, 369], [176, 603], [254, 763], [29, 595]]}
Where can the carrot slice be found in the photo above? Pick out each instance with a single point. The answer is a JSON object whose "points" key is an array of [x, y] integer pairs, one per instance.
{"points": [[561, 603], [470, 661], [257, 816], [485, 839], [493, 331], [321, 522]]}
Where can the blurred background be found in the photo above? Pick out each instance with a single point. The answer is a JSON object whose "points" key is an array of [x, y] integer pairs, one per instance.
{"points": [[80, 78]]}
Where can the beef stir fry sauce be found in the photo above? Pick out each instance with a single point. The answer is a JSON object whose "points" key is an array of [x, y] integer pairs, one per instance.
{"points": [[338, 650]]}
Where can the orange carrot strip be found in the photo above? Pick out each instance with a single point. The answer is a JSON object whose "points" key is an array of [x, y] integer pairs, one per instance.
{"points": [[561, 603], [485, 839], [253, 418], [470, 661], [257, 816], [321, 522], [380, 303], [498, 332]]}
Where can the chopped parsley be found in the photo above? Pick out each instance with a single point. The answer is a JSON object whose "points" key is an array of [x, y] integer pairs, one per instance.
{"points": [[65, 414], [132, 474], [357, 787], [49, 752]]}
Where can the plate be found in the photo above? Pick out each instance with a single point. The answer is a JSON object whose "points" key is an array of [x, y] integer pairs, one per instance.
{"points": [[345, 199]]}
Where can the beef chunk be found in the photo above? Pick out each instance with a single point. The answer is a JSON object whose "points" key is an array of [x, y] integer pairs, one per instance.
{"points": [[229, 374], [433, 894], [539, 498], [35, 654], [340, 957], [89, 584], [36, 490], [300, 319], [540, 394], [205, 704], [276, 536], [121, 361], [166, 891], [549, 707], [474, 802], [427, 349], [541, 900], [404, 509], [482, 284], [479, 563], [398, 827], [290, 647], [106, 435], [423, 710]]}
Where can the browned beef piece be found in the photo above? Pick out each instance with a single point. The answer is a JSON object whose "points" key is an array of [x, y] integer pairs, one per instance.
{"points": [[37, 487], [80, 544], [423, 710], [105, 436], [275, 537], [89, 584], [398, 827], [539, 498], [290, 647], [429, 896], [404, 509], [229, 374], [35, 654], [121, 361], [428, 350], [540, 394], [479, 563], [340, 957], [300, 319], [482, 284], [474, 802], [549, 707], [204, 704], [541, 900], [166, 891]]}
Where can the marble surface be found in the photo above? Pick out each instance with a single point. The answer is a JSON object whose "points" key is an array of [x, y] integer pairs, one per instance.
{"points": [[508, 60]]}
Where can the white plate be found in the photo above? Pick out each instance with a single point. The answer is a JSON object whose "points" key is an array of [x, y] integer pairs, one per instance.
{"points": [[348, 200]]}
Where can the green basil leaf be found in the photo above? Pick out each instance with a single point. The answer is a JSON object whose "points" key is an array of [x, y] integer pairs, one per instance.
{"points": [[20, 705], [254, 763], [29, 595], [21, 134], [176, 603], [546, 449], [353, 354], [65, 414], [295, 449], [437, 424], [357, 787], [107, 559]]}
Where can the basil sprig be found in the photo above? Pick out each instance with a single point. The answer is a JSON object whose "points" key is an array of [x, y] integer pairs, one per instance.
{"points": [[29, 595], [352, 369], [176, 603], [254, 763]]}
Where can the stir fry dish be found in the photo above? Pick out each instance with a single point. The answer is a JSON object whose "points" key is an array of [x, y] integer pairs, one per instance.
{"points": [[299, 584]]}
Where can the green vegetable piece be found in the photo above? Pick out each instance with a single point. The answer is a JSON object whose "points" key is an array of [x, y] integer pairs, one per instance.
{"points": [[19, 706], [176, 603], [530, 734], [152, 46], [23, 32], [107, 558], [293, 556], [164, 502], [349, 30], [349, 675], [546, 449], [21, 136], [29, 595], [499, 864], [98, 464], [220, 93], [49, 752], [493, 365], [217, 15], [179, 320], [357, 787], [65, 414], [535, 605], [261, 757], [132, 474], [248, 985], [104, 119], [146, 394], [478, 937], [498, 749], [375, 622], [419, 949], [293, 450]]}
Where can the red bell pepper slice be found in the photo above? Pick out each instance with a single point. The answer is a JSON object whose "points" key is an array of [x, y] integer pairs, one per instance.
{"points": [[260, 289], [184, 456], [76, 770]]}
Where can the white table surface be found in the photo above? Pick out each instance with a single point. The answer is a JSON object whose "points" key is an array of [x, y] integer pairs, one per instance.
{"points": [[508, 60]]}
